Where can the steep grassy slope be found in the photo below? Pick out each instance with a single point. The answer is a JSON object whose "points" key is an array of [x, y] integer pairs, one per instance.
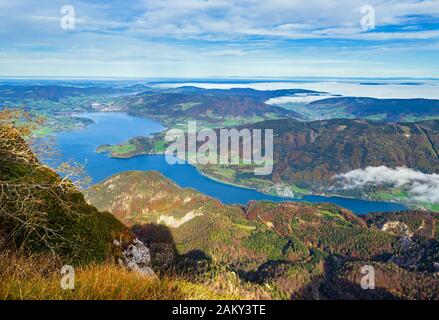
{"points": [[277, 250], [45, 223], [38, 278], [42, 212]]}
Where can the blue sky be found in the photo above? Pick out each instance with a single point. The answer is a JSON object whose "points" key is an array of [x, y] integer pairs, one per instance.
{"points": [[222, 38]]}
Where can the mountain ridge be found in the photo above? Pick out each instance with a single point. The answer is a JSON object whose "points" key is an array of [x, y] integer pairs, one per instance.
{"points": [[282, 246]]}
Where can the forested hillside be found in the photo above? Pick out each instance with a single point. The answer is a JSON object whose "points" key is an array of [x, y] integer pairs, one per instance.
{"points": [[276, 250]]}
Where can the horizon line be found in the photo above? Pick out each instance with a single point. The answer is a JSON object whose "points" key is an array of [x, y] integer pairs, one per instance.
{"points": [[272, 78]]}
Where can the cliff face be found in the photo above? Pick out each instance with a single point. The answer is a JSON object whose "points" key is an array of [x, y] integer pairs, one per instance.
{"points": [[40, 211]]}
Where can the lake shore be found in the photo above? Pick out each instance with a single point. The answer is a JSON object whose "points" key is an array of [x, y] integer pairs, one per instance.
{"points": [[228, 183], [82, 145]]}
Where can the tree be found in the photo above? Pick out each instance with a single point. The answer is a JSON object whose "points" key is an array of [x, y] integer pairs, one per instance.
{"points": [[30, 192]]}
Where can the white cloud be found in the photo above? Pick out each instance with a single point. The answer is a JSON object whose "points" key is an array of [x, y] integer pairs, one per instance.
{"points": [[296, 99], [427, 89], [216, 38], [279, 18], [420, 186], [226, 19]]}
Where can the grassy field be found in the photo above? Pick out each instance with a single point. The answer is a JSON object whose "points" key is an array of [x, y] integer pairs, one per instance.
{"points": [[43, 131], [123, 148], [297, 189], [401, 195], [393, 194], [160, 146], [117, 150], [432, 206]]}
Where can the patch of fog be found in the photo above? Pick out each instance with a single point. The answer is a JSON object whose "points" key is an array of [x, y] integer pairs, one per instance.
{"points": [[420, 186], [383, 91], [428, 89], [302, 98]]}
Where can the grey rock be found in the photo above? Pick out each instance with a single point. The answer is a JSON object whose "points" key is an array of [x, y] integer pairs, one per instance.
{"points": [[136, 257]]}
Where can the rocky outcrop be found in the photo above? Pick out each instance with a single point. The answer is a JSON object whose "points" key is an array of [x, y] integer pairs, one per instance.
{"points": [[42, 212], [136, 257], [398, 228], [173, 222]]}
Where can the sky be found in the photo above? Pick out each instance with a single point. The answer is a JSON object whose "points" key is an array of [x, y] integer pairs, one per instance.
{"points": [[220, 38]]}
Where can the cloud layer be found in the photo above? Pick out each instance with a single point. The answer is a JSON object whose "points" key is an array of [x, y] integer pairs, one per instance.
{"points": [[420, 186], [220, 38]]}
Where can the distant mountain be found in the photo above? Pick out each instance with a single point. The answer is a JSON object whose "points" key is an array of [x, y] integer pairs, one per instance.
{"points": [[311, 153], [171, 106], [210, 106], [277, 250], [261, 95], [50, 92], [307, 155], [381, 109]]}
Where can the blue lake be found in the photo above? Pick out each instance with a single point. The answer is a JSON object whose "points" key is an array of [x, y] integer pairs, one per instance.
{"points": [[113, 128]]}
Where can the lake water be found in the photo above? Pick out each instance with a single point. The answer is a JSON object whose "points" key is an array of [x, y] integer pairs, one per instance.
{"points": [[113, 128]]}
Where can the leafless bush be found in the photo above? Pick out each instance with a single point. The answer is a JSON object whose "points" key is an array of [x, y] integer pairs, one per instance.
{"points": [[29, 191]]}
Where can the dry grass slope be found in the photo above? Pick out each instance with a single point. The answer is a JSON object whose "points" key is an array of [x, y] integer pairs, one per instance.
{"points": [[38, 278]]}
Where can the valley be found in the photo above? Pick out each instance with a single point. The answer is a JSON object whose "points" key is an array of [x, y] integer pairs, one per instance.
{"points": [[278, 250], [308, 169], [387, 110], [81, 145], [160, 151], [218, 231], [308, 155]]}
